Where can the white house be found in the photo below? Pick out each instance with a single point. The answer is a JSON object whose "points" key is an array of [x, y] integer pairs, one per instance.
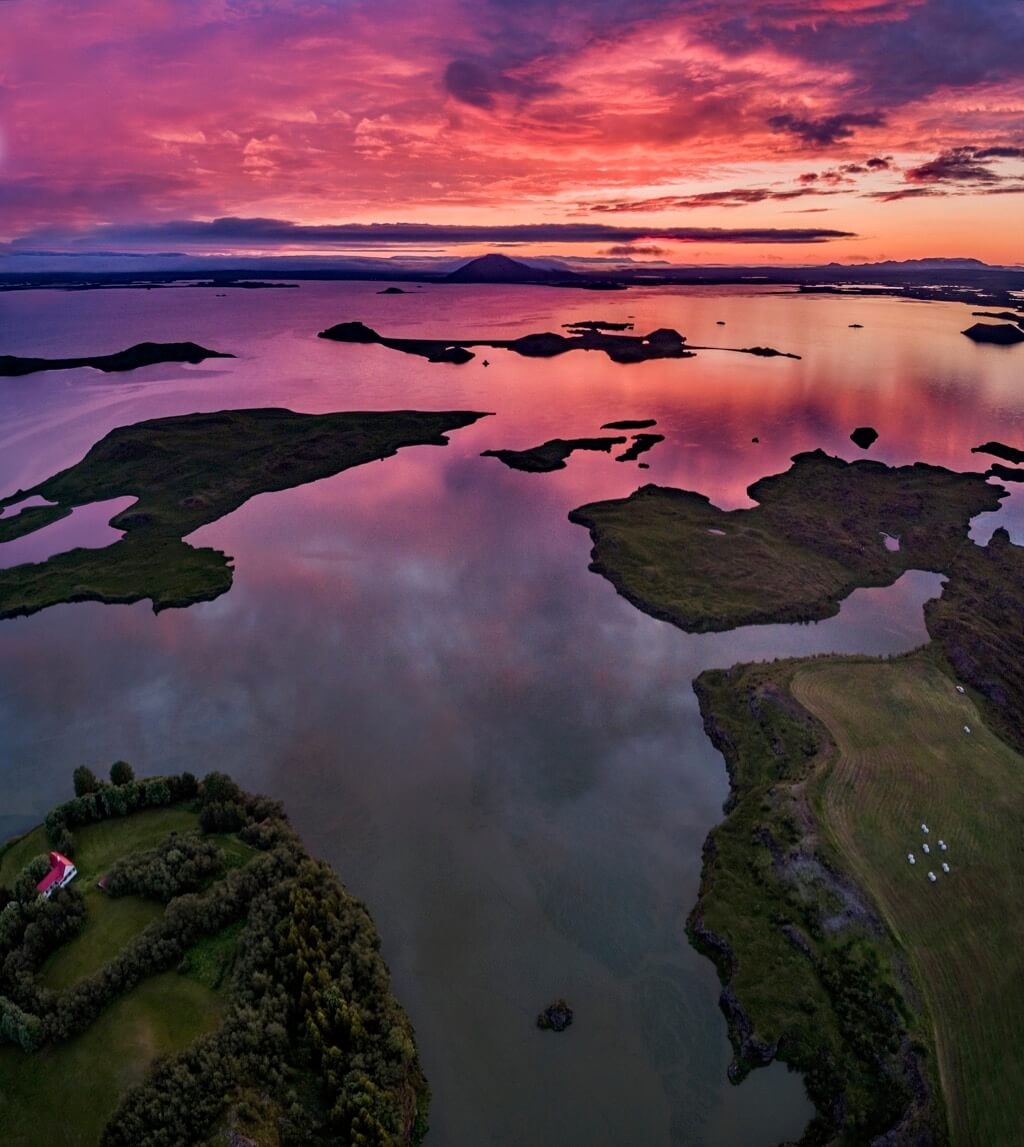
{"points": [[62, 872]]}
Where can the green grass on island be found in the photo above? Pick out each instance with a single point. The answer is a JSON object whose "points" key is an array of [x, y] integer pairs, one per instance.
{"points": [[902, 758], [222, 981], [898, 999], [185, 472], [816, 535], [66, 1094]]}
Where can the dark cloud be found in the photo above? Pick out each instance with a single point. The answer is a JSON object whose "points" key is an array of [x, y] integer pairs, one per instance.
{"points": [[627, 249], [1000, 153], [735, 197], [825, 130], [898, 193], [957, 164], [239, 232], [893, 52], [479, 83], [879, 163]]}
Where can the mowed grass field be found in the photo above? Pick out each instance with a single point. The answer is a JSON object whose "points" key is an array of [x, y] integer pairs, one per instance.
{"points": [[63, 1096], [109, 923], [904, 758]]}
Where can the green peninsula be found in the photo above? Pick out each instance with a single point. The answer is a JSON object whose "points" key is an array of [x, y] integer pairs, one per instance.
{"points": [[142, 354], [201, 980], [816, 535], [187, 471], [879, 957]]}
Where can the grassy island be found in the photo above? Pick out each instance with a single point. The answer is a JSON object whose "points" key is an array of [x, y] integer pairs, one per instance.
{"points": [[816, 535], [221, 981], [185, 472], [899, 998], [893, 987]]}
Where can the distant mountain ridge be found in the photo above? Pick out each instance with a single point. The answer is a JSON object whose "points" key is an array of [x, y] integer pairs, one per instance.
{"points": [[502, 269], [939, 263]]}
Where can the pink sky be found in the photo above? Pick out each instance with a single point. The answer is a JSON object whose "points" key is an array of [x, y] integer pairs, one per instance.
{"points": [[898, 122]]}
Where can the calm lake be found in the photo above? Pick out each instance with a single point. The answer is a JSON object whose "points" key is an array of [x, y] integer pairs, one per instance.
{"points": [[499, 754]]}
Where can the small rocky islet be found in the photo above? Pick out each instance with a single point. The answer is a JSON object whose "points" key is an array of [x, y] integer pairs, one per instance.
{"points": [[555, 1017], [864, 437], [998, 334]]}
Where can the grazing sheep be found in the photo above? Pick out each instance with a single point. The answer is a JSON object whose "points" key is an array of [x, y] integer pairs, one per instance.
{"points": [[932, 877]]}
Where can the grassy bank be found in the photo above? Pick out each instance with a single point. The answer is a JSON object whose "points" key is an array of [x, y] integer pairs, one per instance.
{"points": [[901, 758], [65, 1094], [816, 535]]}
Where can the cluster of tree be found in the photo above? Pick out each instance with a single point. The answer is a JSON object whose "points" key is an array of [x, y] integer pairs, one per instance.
{"points": [[30, 929], [226, 808], [18, 1026], [160, 945], [182, 863], [309, 994], [103, 801]]}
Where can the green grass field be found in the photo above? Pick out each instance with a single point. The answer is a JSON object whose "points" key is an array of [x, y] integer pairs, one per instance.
{"points": [[63, 1096], [903, 758], [109, 923]]}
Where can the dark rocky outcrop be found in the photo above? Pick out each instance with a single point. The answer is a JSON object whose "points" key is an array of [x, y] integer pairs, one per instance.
{"points": [[596, 325], [549, 455], [864, 437], [1004, 316], [1000, 450], [630, 424], [641, 444], [1001, 334], [555, 1017], [142, 354], [1004, 473]]}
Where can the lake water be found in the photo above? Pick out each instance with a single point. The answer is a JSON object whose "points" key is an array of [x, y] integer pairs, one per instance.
{"points": [[498, 753]]}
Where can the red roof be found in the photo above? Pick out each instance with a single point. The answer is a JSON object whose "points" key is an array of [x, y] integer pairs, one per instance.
{"points": [[59, 865]]}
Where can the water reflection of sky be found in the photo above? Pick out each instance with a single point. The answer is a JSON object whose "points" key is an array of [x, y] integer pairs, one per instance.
{"points": [[499, 753]]}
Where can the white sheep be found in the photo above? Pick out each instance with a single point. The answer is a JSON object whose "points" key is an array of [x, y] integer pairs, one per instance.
{"points": [[945, 867], [925, 848], [932, 877]]}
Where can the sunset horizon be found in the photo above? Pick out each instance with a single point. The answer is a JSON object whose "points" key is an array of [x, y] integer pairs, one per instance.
{"points": [[712, 131], [511, 573]]}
